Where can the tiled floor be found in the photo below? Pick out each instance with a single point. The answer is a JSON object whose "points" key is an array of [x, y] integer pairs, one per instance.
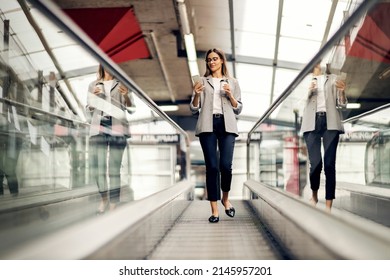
{"points": [[193, 237]]}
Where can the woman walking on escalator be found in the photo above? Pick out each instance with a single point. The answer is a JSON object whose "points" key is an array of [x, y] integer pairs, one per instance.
{"points": [[216, 99], [109, 131], [321, 124]]}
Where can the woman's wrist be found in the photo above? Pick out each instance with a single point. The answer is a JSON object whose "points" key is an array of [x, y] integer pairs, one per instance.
{"points": [[233, 102]]}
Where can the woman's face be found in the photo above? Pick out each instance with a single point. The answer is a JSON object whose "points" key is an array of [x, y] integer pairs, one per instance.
{"points": [[107, 75], [317, 69], [214, 62]]}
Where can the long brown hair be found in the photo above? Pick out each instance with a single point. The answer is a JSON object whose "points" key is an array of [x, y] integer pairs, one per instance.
{"points": [[222, 56], [101, 73]]}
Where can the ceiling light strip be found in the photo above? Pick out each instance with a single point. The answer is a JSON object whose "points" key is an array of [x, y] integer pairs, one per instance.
{"points": [[162, 65], [189, 40], [329, 22], [232, 36]]}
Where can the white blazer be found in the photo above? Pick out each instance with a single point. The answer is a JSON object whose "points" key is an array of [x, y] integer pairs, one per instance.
{"points": [[205, 109], [96, 106]]}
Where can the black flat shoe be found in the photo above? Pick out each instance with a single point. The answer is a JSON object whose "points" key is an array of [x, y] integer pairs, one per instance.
{"points": [[213, 219], [230, 212]]}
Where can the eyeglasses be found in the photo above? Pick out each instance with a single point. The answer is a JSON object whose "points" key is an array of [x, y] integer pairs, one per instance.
{"points": [[212, 59]]}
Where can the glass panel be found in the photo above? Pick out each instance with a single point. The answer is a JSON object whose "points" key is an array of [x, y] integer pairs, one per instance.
{"points": [[255, 87], [303, 50], [65, 143], [287, 159], [255, 25]]}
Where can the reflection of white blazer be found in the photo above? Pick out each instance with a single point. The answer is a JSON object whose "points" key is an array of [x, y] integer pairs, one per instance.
{"points": [[205, 110], [116, 109], [333, 115]]}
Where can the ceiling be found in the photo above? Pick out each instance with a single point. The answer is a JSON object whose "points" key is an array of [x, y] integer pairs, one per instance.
{"points": [[272, 44], [164, 76], [273, 41]]}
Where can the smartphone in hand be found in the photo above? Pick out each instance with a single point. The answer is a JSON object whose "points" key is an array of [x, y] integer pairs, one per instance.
{"points": [[196, 78]]}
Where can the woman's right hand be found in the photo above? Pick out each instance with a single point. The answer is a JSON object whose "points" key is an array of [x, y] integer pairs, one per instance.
{"points": [[313, 84], [340, 85], [198, 88], [97, 90]]}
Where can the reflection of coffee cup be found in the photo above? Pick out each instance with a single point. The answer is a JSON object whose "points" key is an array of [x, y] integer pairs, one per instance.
{"points": [[314, 83], [100, 86], [314, 87]]}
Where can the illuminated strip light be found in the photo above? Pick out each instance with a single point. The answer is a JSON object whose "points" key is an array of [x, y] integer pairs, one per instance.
{"points": [[183, 17], [191, 54], [385, 74], [188, 39], [169, 108], [353, 105]]}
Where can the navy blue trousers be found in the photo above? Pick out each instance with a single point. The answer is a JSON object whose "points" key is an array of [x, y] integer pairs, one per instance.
{"points": [[100, 145], [330, 140], [218, 161]]}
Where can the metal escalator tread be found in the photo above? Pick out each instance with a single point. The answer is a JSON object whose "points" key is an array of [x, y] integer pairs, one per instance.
{"points": [[193, 237]]}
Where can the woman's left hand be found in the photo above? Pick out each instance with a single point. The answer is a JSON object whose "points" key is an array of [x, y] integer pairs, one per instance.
{"points": [[229, 95], [340, 85], [226, 88], [123, 90]]}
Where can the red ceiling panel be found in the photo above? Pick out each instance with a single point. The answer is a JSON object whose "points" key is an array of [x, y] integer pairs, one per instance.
{"points": [[115, 30], [373, 39]]}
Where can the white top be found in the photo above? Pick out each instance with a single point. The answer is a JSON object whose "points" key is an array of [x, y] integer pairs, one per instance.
{"points": [[107, 89], [107, 92], [321, 107], [217, 103]]}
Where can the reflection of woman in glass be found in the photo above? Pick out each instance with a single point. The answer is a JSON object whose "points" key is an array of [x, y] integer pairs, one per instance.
{"points": [[217, 99], [322, 120], [10, 146], [107, 101]]}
